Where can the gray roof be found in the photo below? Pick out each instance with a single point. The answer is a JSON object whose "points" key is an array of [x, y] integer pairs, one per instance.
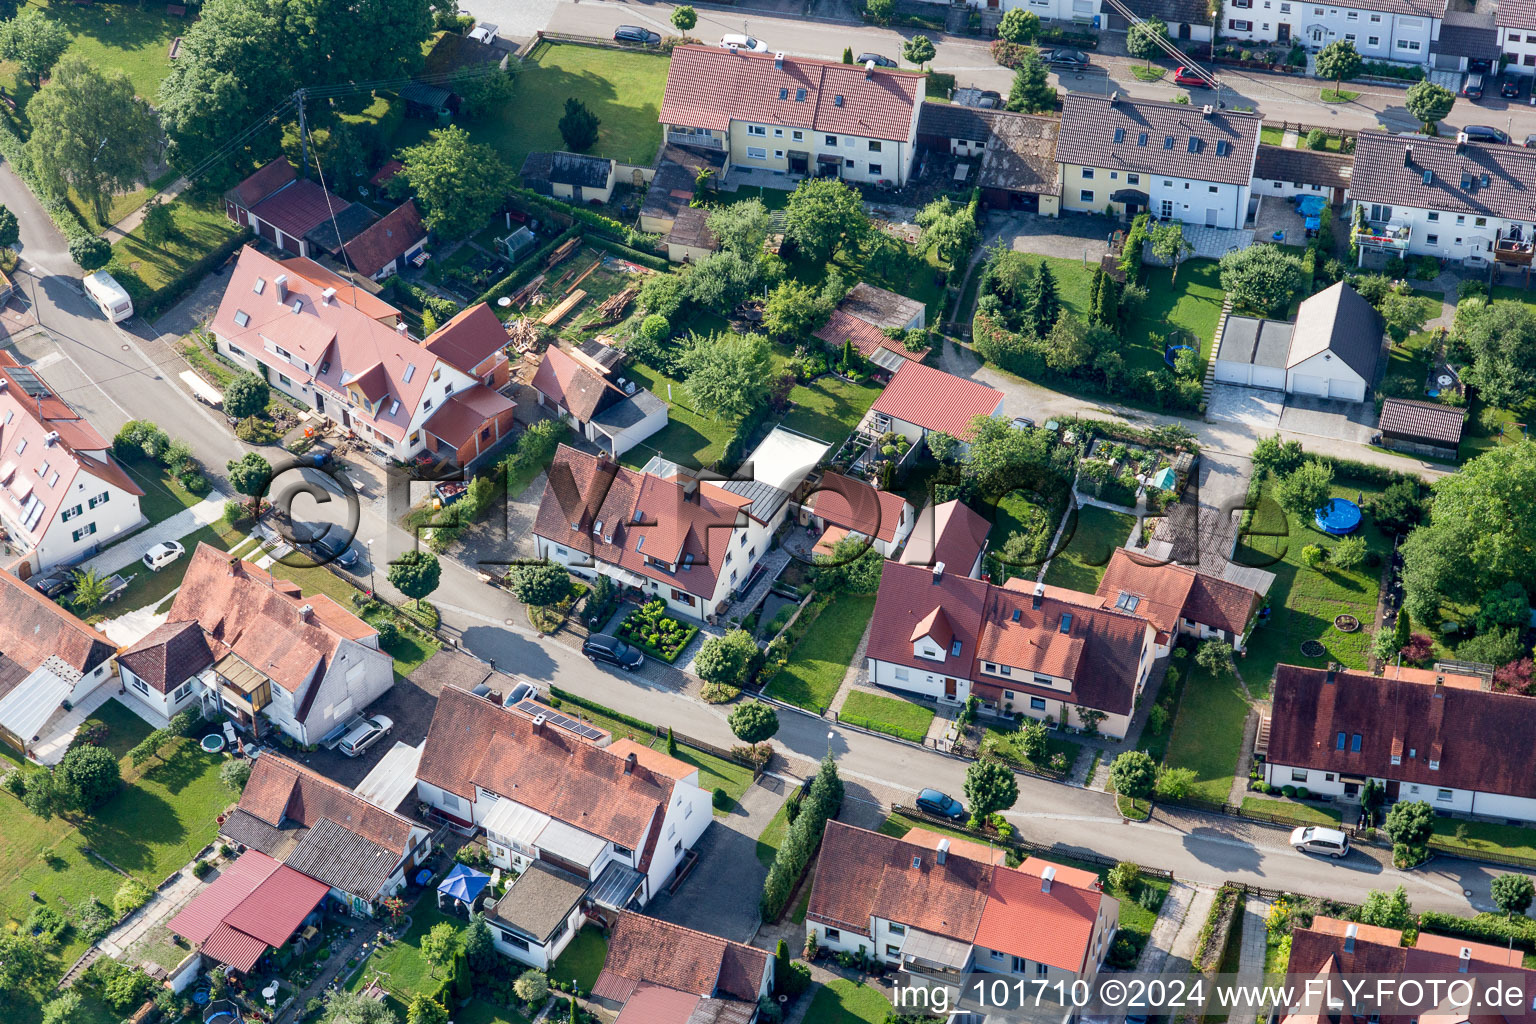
{"points": [[1021, 154], [350, 223], [603, 355], [625, 414], [672, 187], [1422, 421], [342, 859], [1303, 166], [952, 121], [1388, 171], [1190, 12], [690, 226], [241, 826], [722, 1011], [880, 306], [568, 169], [1206, 540], [1337, 319], [1157, 138], [433, 96], [766, 499], [1465, 34], [539, 901], [615, 886], [1247, 339]]}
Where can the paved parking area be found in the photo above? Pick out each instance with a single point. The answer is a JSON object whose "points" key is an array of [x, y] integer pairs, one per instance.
{"points": [[1253, 407], [1343, 421], [1070, 236]]}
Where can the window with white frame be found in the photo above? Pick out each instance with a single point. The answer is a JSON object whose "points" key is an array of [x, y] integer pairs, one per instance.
{"points": [[756, 153], [757, 129]]}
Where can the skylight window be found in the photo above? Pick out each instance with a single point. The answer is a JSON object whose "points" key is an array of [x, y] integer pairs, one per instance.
{"points": [[242, 318], [1141, 140], [799, 95], [394, 407], [1429, 177], [954, 649], [22, 446], [837, 100], [1066, 622], [1484, 181], [298, 306], [1194, 144], [1017, 614], [1167, 141], [1119, 134], [259, 286], [783, 93], [410, 371], [687, 562], [1223, 147], [1127, 602], [639, 543]]}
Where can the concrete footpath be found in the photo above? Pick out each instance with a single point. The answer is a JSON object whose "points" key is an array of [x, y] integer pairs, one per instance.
{"points": [[126, 553]]}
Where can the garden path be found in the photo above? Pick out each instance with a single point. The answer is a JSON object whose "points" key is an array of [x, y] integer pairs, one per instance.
{"points": [[1250, 956], [1171, 945], [857, 674], [121, 555]]}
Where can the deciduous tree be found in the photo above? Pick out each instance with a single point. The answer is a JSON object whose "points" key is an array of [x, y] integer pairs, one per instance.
{"points": [[92, 772], [459, 183], [754, 722], [1133, 774], [1019, 25], [539, 583], [1170, 246], [741, 227], [1502, 338], [415, 574], [1429, 103], [854, 567], [1339, 61], [948, 227], [10, 229], [35, 42], [990, 786], [1261, 278], [1387, 909], [918, 50], [441, 945], [1143, 39], [727, 659], [246, 395], [684, 18], [1513, 893], [823, 216], [250, 475], [1306, 490], [728, 374]]}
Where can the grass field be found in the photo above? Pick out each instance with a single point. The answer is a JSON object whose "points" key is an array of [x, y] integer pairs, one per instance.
{"points": [[1304, 601], [623, 88], [829, 408], [1093, 538], [128, 38], [817, 665], [1208, 732], [889, 715], [1192, 302], [772, 836], [718, 773], [841, 1001], [1485, 835], [163, 494], [144, 269], [690, 438], [583, 958], [1316, 813], [1007, 743], [399, 967]]}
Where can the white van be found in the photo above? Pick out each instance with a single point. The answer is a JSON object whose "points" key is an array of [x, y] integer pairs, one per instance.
{"points": [[1313, 839], [109, 296]]}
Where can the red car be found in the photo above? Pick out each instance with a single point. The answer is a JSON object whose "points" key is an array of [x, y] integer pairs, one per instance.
{"points": [[1184, 76]]}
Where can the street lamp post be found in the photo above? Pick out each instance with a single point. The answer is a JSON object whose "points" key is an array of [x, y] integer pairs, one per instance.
{"points": [[369, 545], [830, 734]]}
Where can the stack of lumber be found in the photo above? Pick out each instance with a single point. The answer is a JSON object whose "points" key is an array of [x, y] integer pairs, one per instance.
{"points": [[563, 310]]}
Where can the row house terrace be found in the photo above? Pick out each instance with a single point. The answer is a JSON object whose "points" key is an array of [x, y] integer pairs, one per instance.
{"points": [[592, 830], [346, 364], [794, 116]]}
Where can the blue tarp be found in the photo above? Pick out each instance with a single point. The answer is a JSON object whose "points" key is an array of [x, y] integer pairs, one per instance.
{"points": [[464, 883], [1339, 517], [1310, 206]]}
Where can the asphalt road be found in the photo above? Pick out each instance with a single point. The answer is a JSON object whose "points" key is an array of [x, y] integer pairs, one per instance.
{"points": [[1277, 97]]}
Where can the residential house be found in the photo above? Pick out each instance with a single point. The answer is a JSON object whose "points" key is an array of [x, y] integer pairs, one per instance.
{"points": [[47, 657], [348, 292], [1333, 729], [793, 116], [1515, 21], [1446, 197], [1403, 31], [838, 506], [1331, 351], [864, 315], [660, 973], [1014, 154], [1179, 600], [1177, 161], [318, 827], [940, 910], [687, 542], [1422, 428], [304, 665], [1188, 21], [62, 494], [920, 400], [1022, 647], [341, 361], [1084, 12], [390, 245], [474, 341], [540, 914], [689, 239], [574, 177], [161, 668], [951, 535], [1278, 171], [282, 207], [255, 905], [579, 392], [547, 795]]}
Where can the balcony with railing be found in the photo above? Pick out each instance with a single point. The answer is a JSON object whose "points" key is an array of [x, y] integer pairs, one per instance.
{"points": [[701, 139], [1513, 249], [1391, 237]]}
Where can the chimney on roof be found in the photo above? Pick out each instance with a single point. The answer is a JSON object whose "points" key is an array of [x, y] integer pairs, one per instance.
{"points": [[1114, 97], [1439, 687], [400, 328], [629, 763], [1039, 596], [1408, 155], [1464, 957], [51, 438], [938, 573], [538, 723], [306, 611], [869, 69], [1333, 673], [1207, 110], [1046, 878], [234, 566], [280, 288], [778, 61], [943, 854], [1349, 937], [326, 296]]}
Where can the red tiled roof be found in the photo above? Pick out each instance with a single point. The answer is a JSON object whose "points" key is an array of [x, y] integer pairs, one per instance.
{"points": [[168, 655], [994, 855], [952, 534], [475, 742], [281, 789], [254, 903], [656, 1004], [240, 612], [466, 412], [655, 760], [386, 239], [298, 207], [33, 629], [647, 950], [343, 339], [866, 337], [1422, 421], [1023, 920], [935, 400], [562, 379], [264, 182], [936, 626], [908, 597], [708, 86], [469, 339], [347, 293], [1169, 592], [388, 171], [856, 506], [1479, 739]]}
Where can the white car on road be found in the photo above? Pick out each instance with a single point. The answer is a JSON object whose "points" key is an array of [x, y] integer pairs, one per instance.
{"points": [[742, 42]]}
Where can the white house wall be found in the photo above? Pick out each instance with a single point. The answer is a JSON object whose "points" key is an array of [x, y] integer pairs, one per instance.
{"points": [[1377, 35], [687, 816], [925, 682], [1343, 382], [1519, 45]]}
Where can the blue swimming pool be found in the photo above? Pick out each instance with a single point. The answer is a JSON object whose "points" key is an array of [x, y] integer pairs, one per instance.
{"points": [[1339, 518]]}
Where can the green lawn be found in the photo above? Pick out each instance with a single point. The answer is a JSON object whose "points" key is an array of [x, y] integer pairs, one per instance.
{"points": [[149, 588], [1319, 814], [841, 1001], [1014, 513], [1074, 282], [690, 438], [718, 773], [622, 88], [1192, 302], [145, 270], [887, 263], [399, 967], [128, 38], [1484, 835], [479, 1011], [1006, 742], [1090, 542], [772, 837], [900, 718], [829, 408], [1208, 732], [1304, 601], [582, 959], [817, 666], [163, 494]]}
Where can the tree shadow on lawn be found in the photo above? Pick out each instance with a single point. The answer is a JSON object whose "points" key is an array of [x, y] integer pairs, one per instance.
{"points": [[129, 827], [614, 136], [117, 26], [180, 769]]}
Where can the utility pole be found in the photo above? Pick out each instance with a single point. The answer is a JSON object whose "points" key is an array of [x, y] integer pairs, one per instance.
{"points": [[298, 98]]}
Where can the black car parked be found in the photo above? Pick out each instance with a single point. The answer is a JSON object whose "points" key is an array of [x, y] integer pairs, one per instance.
{"points": [[879, 61], [1485, 133], [635, 34], [54, 584], [329, 548], [1511, 86], [609, 648]]}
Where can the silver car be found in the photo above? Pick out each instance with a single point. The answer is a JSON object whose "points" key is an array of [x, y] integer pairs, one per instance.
{"points": [[1315, 839], [365, 734]]}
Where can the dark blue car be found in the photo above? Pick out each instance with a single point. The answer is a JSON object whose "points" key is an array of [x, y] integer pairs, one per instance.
{"points": [[945, 806]]}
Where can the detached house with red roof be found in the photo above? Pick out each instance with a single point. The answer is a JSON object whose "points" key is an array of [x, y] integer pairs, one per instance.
{"points": [[591, 830], [389, 245], [793, 115], [1023, 647], [282, 207], [660, 531], [1179, 600], [940, 908], [660, 973], [920, 400], [842, 506], [577, 389], [1422, 734], [62, 494], [344, 362], [270, 656]]}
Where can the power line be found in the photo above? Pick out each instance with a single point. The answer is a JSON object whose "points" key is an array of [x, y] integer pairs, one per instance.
{"points": [[1166, 45]]}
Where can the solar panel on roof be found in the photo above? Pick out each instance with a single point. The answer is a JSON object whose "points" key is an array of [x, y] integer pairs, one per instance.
{"points": [[24, 378], [555, 718]]}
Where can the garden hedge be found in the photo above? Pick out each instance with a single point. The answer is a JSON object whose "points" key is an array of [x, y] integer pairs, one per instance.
{"points": [[528, 267], [1521, 931]]}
